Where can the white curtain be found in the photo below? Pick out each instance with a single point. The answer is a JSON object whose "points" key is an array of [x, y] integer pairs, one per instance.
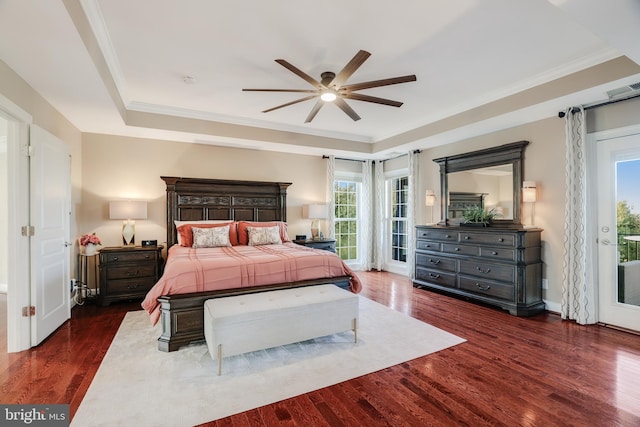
{"points": [[379, 212], [579, 301], [331, 172], [367, 218], [414, 158]]}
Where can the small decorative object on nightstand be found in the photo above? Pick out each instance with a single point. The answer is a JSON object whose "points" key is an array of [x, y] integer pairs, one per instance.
{"points": [[128, 272], [326, 244]]}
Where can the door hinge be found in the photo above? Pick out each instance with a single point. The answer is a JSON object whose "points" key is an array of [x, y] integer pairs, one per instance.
{"points": [[28, 230], [30, 151], [28, 311]]}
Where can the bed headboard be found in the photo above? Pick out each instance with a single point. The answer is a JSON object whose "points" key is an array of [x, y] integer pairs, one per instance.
{"points": [[192, 199]]}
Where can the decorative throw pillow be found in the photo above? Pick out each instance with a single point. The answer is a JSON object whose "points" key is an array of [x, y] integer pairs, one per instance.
{"points": [[185, 232], [213, 237], [264, 236], [243, 234]]}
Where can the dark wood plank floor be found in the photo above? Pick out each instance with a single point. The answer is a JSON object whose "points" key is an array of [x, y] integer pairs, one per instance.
{"points": [[538, 371]]}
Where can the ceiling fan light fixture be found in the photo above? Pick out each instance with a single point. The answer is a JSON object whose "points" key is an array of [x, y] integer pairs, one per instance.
{"points": [[328, 96]]}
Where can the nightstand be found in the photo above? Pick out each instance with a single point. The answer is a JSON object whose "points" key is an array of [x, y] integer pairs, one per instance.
{"points": [[326, 244], [128, 272]]}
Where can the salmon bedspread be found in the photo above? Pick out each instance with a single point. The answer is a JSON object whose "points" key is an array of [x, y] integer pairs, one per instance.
{"points": [[208, 269]]}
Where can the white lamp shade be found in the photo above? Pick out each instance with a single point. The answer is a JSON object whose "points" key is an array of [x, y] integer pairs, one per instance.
{"points": [[529, 191], [430, 198], [127, 209], [318, 211]]}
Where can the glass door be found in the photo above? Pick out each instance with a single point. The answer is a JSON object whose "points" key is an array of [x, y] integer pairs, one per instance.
{"points": [[619, 231]]}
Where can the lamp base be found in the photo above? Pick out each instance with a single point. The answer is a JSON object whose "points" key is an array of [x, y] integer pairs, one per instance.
{"points": [[129, 232], [315, 229]]}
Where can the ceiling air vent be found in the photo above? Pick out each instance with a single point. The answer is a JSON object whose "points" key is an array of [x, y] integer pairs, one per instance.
{"points": [[623, 91]]}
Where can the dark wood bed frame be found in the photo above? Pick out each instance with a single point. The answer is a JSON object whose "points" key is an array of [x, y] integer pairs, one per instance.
{"points": [[192, 199]]}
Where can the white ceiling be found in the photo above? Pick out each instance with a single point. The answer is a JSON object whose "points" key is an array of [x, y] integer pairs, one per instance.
{"points": [[118, 66]]}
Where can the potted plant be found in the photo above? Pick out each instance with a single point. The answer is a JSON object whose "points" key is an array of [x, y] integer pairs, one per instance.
{"points": [[90, 241], [478, 216]]}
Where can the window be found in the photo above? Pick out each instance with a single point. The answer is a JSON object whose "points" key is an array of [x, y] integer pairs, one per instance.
{"points": [[399, 199], [345, 195]]}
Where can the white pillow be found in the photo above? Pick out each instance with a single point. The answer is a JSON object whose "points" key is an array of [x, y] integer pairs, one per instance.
{"points": [[264, 236], [215, 237], [177, 224]]}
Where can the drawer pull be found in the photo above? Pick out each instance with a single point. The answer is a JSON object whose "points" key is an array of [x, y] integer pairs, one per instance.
{"points": [[500, 239], [434, 261], [147, 257], [483, 271], [483, 288], [448, 236], [434, 276], [466, 237], [457, 249], [115, 258], [132, 273], [494, 253], [136, 286]]}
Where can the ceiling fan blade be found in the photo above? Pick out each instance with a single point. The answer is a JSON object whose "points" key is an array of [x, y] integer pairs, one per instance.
{"points": [[345, 107], [306, 98], [361, 97], [300, 73], [378, 83], [350, 68], [281, 90], [314, 110]]}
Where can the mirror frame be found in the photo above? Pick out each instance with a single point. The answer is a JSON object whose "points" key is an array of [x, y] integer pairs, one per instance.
{"points": [[512, 153]]}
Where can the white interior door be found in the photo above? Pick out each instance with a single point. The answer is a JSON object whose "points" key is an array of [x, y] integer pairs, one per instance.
{"points": [[618, 165], [50, 209]]}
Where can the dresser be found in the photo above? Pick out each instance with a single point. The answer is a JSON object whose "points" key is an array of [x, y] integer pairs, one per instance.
{"points": [[497, 266], [128, 272]]}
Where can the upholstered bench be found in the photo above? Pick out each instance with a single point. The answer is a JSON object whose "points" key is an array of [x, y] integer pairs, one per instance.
{"points": [[245, 323]]}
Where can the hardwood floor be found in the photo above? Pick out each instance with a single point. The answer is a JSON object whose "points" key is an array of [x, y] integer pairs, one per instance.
{"points": [[512, 371]]}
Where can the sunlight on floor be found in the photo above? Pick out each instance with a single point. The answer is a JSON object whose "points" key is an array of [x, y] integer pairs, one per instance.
{"points": [[627, 380], [398, 299]]}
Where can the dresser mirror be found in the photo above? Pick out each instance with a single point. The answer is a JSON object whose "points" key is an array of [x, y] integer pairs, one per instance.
{"points": [[489, 178]]}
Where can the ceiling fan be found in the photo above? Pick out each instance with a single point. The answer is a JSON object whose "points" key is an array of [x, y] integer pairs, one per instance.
{"points": [[332, 87]]}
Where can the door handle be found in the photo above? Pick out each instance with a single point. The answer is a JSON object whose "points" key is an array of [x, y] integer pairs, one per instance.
{"points": [[67, 244], [608, 242]]}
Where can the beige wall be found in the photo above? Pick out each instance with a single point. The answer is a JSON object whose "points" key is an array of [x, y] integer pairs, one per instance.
{"points": [[4, 244], [14, 88], [544, 163], [116, 167]]}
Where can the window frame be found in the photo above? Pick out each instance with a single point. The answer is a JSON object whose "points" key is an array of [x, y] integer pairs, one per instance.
{"points": [[357, 179], [391, 265]]}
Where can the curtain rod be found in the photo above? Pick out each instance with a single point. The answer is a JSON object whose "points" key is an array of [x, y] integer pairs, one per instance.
{"points": [[357, 160], [574, 110]]}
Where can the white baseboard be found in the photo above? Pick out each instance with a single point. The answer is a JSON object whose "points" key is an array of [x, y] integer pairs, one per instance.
{"points": [[553, 306]]}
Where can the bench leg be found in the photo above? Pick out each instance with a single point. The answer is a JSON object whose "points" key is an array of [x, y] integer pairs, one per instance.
{"points": [[355, 330], [219, 359]]}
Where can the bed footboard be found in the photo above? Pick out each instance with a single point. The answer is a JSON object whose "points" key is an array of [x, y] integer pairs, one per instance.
{"points": [[182, 316]]}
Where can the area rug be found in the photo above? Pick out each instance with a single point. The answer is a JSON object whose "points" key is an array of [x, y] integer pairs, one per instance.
{"points": [[138, 385]]}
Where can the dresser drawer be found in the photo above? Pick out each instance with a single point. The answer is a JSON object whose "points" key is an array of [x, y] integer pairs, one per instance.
{"points": [[460, 249], [428, 245], [130, 286], [490, 289], [123, 257], [498, 253], [488, 271], [437, 262], [489, 239], [131, 271], [431, 234], [435, 276]]}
